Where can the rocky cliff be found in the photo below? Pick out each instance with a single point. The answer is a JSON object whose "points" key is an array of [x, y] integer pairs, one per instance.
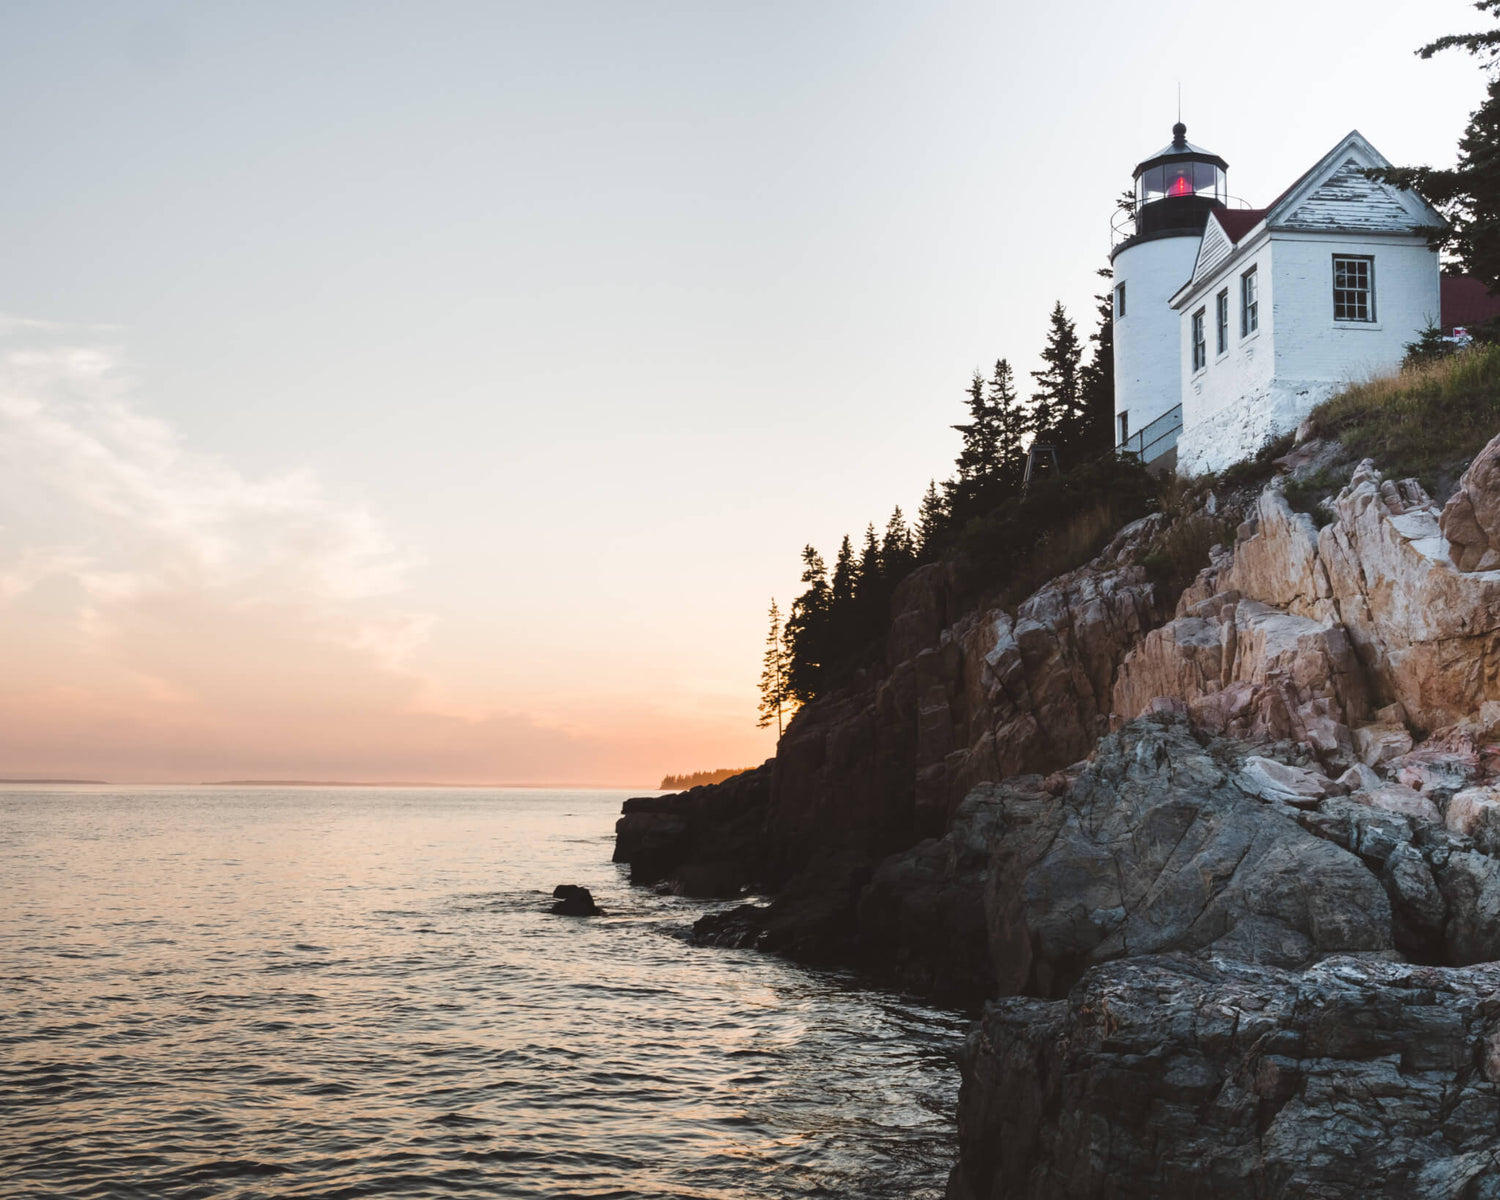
{"points": [[1224, 862]]}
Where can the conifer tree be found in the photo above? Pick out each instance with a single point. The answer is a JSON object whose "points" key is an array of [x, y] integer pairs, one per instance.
{"points": [[1468, 195], [1097, 380], [979, 458], [990, 462], [807, 630], [773, 674], [1009, 421], [1056, 407], [897, 552], [867, 574], [842, 591], [932, 522]]}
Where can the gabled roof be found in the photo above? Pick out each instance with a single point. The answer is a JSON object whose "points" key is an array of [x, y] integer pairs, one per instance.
{"points": [[1332, 196], [1237, 222], [1226, 228]]}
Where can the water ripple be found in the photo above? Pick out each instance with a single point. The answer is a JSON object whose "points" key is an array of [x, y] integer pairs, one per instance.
{"points": [[366, 996]]}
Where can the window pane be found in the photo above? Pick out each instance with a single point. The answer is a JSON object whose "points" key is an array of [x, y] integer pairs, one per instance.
{"points": [[1205, 177]]}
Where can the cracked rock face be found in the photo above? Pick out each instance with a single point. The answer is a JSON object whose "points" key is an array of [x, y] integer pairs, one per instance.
{"points": [[1471, 519], [1191, 1078], [1165, 842], [1426, 632]]}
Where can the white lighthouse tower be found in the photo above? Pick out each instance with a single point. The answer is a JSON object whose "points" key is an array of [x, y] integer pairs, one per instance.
{"points": [[1175, 190]]}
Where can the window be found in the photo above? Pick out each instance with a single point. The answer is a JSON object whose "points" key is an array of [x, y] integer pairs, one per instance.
{"points": [[1119, 300], [1124, 420], [1200, 349], [1249, 303], [1221, 321], [1353, 288]]}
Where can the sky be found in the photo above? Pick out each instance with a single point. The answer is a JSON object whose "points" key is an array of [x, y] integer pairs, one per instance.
{"points": [[443, 391]]}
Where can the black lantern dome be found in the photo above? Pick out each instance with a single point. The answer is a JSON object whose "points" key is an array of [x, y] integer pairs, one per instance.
{"points": [[1177, 187]]}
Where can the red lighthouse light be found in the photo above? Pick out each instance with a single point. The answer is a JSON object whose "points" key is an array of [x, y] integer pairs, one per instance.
{"points": [[1181, 186]]}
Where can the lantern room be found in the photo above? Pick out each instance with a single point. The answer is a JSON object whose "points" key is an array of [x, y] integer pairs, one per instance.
{"points": [[1178, 186]]}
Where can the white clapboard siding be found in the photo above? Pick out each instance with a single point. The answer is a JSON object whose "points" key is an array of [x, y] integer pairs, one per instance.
{"points": [[1347, 200], [1213, 250]]}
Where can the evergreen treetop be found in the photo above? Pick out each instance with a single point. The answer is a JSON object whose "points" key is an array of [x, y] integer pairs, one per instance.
{"points": [[1468, 195]]}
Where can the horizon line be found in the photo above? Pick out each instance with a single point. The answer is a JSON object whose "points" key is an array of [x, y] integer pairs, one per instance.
{"points": [[378, 783]]}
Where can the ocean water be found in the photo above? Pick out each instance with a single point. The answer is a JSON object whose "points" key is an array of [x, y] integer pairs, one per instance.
{"points": [[307, 992]]}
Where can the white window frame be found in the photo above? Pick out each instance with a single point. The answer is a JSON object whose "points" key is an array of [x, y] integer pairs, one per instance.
{"points": [[1120, 300], [1249, 302], [1221, 322], [1200, 344], [1361, 298]]}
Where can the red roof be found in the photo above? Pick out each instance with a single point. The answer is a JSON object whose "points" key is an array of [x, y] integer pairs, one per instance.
{"points": [[1466, 301], [1238, 222]]}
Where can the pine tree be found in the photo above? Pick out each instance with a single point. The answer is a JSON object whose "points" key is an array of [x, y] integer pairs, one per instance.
{"points": [[1009, 421], [897, 552], [932, 522], [808, 630], [1430, 346], [1056, 405], [867, 574], [991, 460], [842, 593], [979, 458], [1097, 381], [1469, 194], [773, 674]]}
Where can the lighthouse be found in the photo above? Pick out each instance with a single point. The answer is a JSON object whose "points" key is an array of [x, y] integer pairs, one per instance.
{"points": [[1175, 191]]}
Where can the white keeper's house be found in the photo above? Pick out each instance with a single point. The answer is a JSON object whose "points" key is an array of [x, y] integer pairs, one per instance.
{"points": [[1231, 323]]}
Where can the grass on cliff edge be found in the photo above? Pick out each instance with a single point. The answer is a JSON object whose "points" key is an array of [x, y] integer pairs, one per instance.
{"points": [[1422, 421]]}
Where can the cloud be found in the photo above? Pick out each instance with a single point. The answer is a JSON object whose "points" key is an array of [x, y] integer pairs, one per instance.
{"points": [[132, 512], [170, 616]]}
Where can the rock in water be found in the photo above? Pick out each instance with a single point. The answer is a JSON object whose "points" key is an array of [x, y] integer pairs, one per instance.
{"points": [[574, 901]]}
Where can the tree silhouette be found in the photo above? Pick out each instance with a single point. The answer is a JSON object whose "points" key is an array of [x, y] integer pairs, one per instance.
{"points": [[932, 522], [1096, 381], [1056, 404], [808, 630], [773, 674], [1468, 195], [898, 554]]}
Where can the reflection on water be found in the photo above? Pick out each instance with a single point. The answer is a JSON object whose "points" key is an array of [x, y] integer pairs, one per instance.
{"points": [[338, 993]]}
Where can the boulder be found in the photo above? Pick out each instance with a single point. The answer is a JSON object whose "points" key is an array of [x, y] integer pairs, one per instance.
{"points": [[1403, 801], [574, 901], [1470, 521], [1278, 782], [1475, 813]]}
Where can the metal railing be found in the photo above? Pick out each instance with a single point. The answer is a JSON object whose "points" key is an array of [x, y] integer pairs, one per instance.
{"points": [[1154, 439]]}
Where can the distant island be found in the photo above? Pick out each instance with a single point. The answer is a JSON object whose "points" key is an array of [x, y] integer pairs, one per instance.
{"points": [[699, 778], [35, 781]]}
